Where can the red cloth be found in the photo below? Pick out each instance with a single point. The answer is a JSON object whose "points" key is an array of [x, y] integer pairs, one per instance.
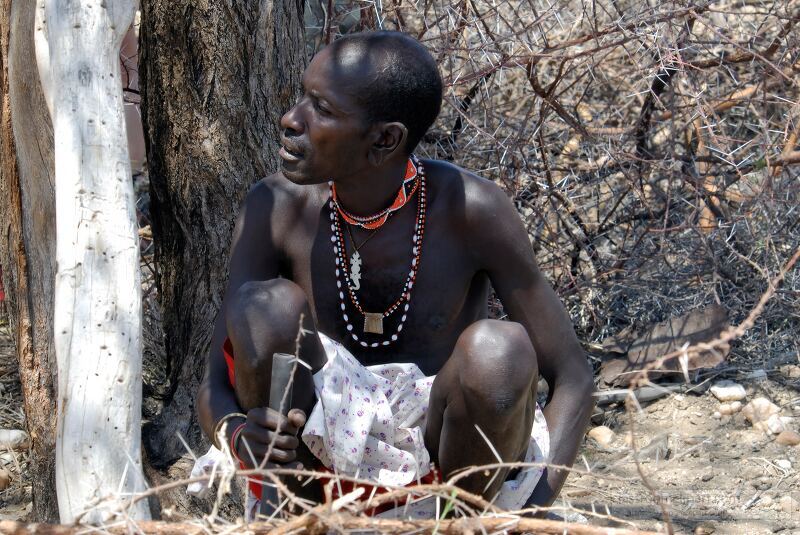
{"points": [[227, 350], [346, 486]]}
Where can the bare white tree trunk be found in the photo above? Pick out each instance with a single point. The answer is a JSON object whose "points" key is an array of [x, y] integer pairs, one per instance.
{"points": [[98, 292]]}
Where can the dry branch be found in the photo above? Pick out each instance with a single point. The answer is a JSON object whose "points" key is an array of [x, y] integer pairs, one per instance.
{"points": [[340, 521]]}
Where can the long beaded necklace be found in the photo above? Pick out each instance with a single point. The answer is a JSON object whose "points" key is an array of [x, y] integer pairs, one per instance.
{"points": [[373, 321]]}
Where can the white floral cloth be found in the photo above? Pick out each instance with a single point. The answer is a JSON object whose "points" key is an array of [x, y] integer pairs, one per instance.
{"points": [[369, 422]]}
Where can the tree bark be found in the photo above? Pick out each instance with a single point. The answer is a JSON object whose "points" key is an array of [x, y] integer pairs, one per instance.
{"points": [[97, 320], [215, 79], [27, 240]]}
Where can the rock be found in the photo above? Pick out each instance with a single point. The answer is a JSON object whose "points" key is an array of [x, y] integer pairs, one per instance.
{"points": [[789, 504], [603, 435], [775, 425], [658, 449], [637, 350], [759, 411], [762, 483], [704, 528], [728, 391], [716, 415], [788, 438], [792, 371], [707, 477], [5, 479], [785, 464], [766, 500], [727, 409], [13, 439], [694, 440]]}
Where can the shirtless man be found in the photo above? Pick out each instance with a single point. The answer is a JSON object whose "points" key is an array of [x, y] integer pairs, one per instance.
{"points": [[368, 100]]}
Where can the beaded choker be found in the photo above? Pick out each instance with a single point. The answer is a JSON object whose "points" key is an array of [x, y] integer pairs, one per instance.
{"points": [[346, 282], [374, 221]]}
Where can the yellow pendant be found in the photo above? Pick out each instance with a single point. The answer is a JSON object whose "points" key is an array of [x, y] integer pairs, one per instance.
{"points": [[373, 323]]}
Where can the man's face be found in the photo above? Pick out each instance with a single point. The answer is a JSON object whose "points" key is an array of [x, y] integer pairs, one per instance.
{"points": [[325, 135]]}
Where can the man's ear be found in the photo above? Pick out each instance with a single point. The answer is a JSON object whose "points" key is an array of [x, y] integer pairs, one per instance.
{"points": [[390, 139]]}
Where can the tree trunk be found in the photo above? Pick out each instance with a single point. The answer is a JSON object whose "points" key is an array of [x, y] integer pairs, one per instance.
{"points": [[27, 240], [97, 320], [215, 79]]}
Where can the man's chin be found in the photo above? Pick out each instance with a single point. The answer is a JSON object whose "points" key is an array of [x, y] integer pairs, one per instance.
{"points": [[296, 174]]}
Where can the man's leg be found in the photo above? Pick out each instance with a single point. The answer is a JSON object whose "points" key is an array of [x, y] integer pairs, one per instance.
{"points": [[264, 318], [489, 382]]}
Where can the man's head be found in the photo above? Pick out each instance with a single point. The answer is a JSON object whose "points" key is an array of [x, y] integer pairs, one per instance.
{"points": [[369, 98]]}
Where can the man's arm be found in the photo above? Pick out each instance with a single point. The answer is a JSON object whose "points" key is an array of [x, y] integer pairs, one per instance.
{"points": [[505, 253], [252, 258]]}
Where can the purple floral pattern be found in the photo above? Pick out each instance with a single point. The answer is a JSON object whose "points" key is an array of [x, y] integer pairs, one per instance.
{"points": [[378, 430], [377, 415]]}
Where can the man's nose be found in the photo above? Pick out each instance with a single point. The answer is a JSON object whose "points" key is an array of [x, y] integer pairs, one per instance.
{"points": [[291, 121]]}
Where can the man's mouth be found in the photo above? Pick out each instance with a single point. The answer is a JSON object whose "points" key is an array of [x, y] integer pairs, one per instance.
{"points": [[289, 152]]}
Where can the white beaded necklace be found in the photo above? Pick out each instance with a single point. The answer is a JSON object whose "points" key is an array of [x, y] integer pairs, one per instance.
{"points": [[373, 322]]}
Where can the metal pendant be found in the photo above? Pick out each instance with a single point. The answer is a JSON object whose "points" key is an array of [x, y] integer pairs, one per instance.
{"points": [[355, 270], [373, 322]]}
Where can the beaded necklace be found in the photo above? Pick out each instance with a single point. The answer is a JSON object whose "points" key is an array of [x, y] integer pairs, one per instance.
{"points": [[373, 321], [375, 221]]}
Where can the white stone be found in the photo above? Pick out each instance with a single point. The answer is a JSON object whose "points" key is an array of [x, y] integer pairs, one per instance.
{"points": [[730, 408], [759, 411], [603, 435], [728, 391], [789, 504], [775, 425], [13, 439], [784, 463]]}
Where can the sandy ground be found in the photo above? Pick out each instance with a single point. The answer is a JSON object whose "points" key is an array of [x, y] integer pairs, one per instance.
{"points": [[719, 475]]}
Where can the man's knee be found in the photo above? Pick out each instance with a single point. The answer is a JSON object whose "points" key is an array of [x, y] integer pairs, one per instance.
{"points": [[498, 366], [270, 310]]}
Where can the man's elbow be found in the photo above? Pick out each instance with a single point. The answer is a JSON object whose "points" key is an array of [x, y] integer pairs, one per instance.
{"points": [[582, 383]]}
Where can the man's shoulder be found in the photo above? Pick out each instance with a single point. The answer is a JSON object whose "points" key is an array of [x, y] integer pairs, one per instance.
{"points": [[275, 192], [479, 196]]}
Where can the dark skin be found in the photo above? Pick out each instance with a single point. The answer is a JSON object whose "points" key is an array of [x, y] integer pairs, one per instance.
{"points": [[282, 270]]}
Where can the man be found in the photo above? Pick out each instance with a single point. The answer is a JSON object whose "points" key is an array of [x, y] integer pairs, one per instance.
{"points": [[394, 261]]}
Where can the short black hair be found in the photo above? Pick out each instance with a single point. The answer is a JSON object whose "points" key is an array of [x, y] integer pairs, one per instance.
{"points": [[408, 87]]}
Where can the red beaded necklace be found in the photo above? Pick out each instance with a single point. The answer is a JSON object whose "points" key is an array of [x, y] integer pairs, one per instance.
{"points": [[373, 321], [375, 221]]}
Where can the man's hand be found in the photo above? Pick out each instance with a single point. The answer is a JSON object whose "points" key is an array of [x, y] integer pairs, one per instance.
{"points": [[264, 425]]}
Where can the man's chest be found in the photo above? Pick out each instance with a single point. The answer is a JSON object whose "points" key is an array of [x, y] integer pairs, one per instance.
{"points": [[420, 311]]}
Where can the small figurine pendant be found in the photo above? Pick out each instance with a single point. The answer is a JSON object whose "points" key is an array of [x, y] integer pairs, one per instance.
{"points": [[355, 270], [373, 322]]}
